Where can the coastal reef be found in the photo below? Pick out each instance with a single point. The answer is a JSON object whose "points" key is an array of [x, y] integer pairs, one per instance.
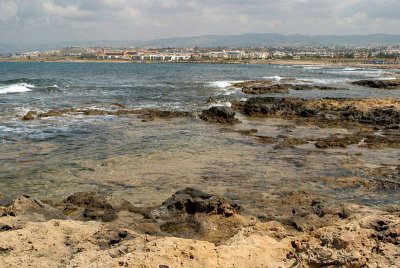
{"points": [[259, 87], [195, 229], [379, 84], [383, 112]]}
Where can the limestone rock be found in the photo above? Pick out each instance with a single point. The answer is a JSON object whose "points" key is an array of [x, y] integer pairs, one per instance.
{"points": [[219, 114]]}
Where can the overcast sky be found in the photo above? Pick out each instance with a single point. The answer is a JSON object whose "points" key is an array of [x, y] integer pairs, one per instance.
{"points": [[42, 21]]}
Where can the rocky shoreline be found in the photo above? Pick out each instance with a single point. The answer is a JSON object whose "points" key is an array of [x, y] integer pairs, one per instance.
{"points": [[196, 229], [291, 228]]}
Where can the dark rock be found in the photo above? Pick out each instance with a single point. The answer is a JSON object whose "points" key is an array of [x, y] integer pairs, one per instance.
{"points": [[219, 114], [4, 200], [292, 142], [387, 140], [192, 201], [95, 206], [303, 87], [95, 112], [337, 142], [246, 132], [190, 213], [119, 105], [266, 139], [330, 88], [252, 83], [381, 84], [107, 238], [276, 88], [152, 114], [212, 100], [325, 111], [29, 116], [52, 113]]}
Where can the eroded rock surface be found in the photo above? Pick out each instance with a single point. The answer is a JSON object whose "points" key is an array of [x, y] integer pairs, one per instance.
{"points": [[380, 112], [302, 230], [219, 114], [379, 84]]}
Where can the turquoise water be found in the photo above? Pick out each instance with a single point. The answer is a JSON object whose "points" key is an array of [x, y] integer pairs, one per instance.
{"points": [[147, 161]]}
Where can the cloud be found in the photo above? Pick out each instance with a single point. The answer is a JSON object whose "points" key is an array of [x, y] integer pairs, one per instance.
{"points": [[25, 21], [8, 9], [68, 11]]}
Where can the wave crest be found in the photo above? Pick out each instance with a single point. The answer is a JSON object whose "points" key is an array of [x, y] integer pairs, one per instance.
{"points": [[16, 88]]}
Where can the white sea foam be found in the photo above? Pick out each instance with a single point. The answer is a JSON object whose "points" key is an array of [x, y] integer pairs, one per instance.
{"points": [[359, 72], [221, 84], [275, 78], [312, 67], [328, 80], [225, 104], [15, 88]]}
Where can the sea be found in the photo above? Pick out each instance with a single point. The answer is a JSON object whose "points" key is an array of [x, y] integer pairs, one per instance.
{"points": [[145, 162]]}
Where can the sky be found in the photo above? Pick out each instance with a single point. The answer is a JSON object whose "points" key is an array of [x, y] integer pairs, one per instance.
{"points": [[52, 21]]}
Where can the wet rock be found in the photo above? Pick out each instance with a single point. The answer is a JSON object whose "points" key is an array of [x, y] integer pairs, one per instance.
{"points": [[388, 140], [219, 114], [190, 213], [266, 139], [252, 83], [380, 84], [29, 116], [52, 113], [4, 200], [337, 141], [191, 201], [95, 112], [119, 105], [330, 88], [379, 112], [291, 142], [246, 132], [94, 206], [212, 100], [311, 87], [298, 197], [303, 87], [276, 88], [152, 114]]}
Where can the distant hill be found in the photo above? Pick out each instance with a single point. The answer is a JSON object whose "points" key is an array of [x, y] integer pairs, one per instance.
{"points": [[274, 39], [243, 40]]}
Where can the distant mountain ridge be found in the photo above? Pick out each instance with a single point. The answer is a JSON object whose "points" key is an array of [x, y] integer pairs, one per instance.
{"points": [[243, 40]]}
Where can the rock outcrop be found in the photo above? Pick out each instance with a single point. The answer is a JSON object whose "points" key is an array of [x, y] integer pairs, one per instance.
{"points": [[379, 84], [380, 112], [304, 230], [219, 114]]}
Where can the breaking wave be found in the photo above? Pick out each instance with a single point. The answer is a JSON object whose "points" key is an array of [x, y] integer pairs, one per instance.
{"points": [[16, 88]]}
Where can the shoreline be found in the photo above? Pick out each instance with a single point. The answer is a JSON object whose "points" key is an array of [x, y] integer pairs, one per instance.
{"points": [[277, 182], [318, 62]]}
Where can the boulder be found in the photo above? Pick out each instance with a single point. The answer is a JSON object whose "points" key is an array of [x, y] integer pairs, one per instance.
{"points": [[219, 114], [94, 206], [191, 201], [29, 208], [29, 116]]}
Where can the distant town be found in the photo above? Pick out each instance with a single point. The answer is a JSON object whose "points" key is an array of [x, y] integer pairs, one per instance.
{"points": [[372, 55]]}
